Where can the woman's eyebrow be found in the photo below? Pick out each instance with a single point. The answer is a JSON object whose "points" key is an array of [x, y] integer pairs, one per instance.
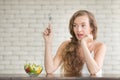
{"points": [[79, 23], [83, 23]]}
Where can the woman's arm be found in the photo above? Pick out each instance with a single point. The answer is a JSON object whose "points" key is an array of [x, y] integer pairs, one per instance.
{"points": [[94, 64], [51, 63], [48, 60]]}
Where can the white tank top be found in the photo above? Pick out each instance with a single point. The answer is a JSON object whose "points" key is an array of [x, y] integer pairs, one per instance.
{"points": [[85, 70]]}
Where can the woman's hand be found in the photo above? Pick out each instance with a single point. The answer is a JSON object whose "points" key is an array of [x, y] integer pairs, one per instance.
{"points": [[47, 34], [88, 38]]}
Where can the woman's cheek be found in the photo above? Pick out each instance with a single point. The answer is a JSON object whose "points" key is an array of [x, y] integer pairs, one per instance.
{"points": [[86, 32]]}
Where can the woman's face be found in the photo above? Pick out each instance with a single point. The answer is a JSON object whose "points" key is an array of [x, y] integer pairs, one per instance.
{"points": [[81, 27]]}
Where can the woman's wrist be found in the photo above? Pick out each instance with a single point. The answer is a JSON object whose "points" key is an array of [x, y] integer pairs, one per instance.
{"points": [[48, 47], [48, 41], [83, 42]]}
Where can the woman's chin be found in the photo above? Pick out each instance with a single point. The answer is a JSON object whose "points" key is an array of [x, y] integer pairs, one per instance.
{"points": [[79, 39]]}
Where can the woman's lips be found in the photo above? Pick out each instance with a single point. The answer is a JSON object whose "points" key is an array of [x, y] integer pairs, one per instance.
{"points": [[80, 35]]}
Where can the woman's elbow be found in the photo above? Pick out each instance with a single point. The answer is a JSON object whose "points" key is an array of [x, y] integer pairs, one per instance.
{"points": [[49, 71], [94, 72]]}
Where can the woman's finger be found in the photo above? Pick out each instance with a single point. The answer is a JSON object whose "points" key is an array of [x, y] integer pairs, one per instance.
{"points": [[90, 36], [50, 28], [46, 32]]}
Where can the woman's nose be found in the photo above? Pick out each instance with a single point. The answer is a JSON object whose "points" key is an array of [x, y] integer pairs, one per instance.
{"points": [[79, 28]]}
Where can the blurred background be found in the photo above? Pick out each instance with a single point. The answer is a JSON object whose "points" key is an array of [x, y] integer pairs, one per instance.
{"points": [[23, 21]]}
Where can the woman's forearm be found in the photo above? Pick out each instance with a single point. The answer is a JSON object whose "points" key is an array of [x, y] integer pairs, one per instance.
{"points": [[48, 58], [91, 63]]}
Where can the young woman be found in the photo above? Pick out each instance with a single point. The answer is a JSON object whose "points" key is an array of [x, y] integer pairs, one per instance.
{"points": [[80, 54]]}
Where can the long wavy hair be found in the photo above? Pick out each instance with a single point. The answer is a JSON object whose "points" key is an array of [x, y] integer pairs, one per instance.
{"points": [[72, 60]]}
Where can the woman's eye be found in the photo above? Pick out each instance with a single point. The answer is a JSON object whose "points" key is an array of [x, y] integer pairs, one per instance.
{"points": [[74, 25], [83, 25]]}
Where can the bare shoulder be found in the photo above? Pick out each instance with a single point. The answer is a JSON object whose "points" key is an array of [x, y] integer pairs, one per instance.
{"points": [[99, 46], [65, 43], [62, 47]]}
